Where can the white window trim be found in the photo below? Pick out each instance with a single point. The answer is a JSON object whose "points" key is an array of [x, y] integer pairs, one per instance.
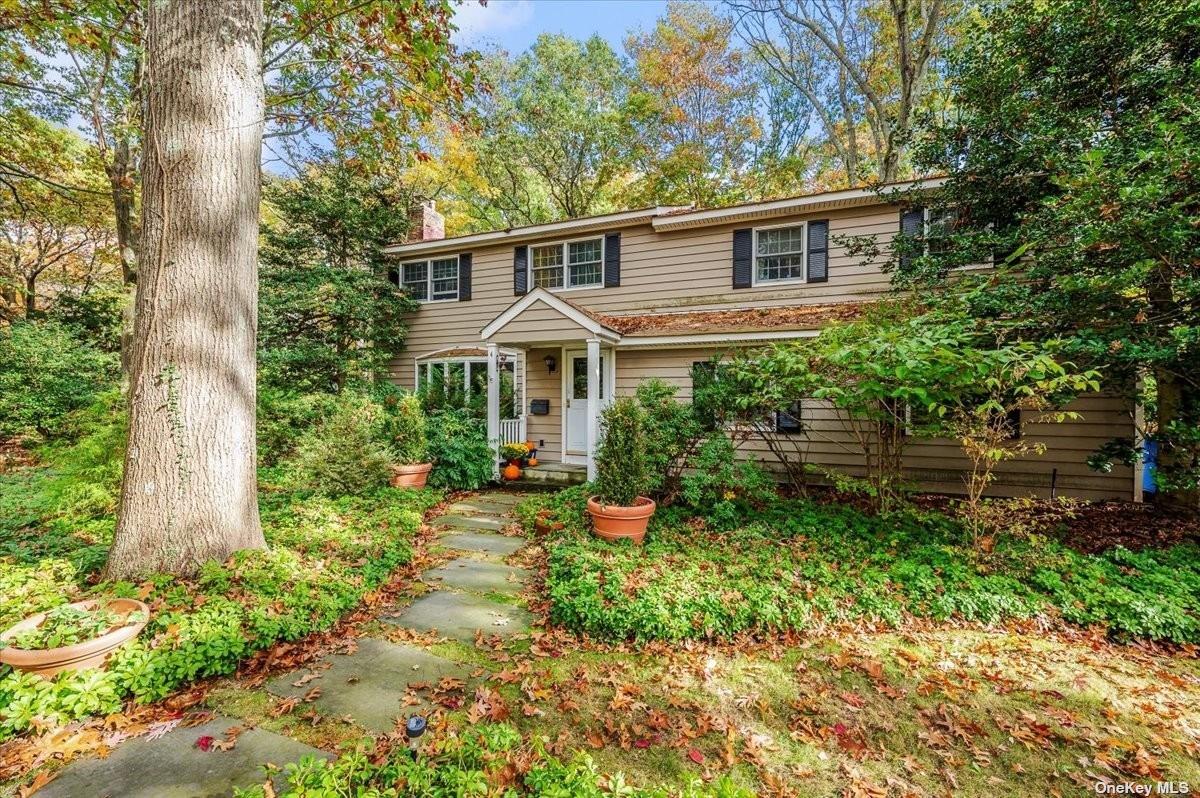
{"points": [[565, 264], [429, 300], [754, 281]]}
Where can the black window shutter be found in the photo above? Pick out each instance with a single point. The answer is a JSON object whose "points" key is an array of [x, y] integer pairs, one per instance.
{"points": [[912, 226], [520, 271], [394, 275], [1013, 422], [743, 258], [817, 267], [464, 277], [612, 260]]}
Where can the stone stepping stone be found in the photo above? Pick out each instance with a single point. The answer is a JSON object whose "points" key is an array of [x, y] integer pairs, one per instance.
{"points": [[481, 576], [173, 767], [460, 615], [369, 685], [471, 522], [481, 507], [482, 542]]}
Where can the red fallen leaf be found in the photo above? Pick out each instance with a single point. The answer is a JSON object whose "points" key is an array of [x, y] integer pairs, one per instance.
{"points": [[839, 729], [205, 743], [696, 756], [641, 742]]}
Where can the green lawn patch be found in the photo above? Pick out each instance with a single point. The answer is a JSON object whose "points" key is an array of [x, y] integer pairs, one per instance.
{"points": [[800, 564]]}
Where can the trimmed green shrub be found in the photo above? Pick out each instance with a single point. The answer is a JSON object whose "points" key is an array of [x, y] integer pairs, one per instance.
{"points": [[672, 432], [721, 489], [622, 469], [46, 372], [404, 429], [343, 454], [283, 419], [458, 446]]}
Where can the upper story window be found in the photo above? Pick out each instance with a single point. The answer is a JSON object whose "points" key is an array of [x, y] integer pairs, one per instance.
{"points": [[430, 280], [570, 264], [779, 254]]}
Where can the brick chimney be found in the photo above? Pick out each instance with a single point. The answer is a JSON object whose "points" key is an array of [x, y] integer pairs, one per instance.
{"points": [[426, 224]]}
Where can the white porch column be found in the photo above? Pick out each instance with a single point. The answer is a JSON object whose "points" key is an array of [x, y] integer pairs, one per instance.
{"points": [[493, 406], [593, 404]]}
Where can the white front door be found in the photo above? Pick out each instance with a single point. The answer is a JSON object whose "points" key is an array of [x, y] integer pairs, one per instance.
{"points": [[577, 401]]}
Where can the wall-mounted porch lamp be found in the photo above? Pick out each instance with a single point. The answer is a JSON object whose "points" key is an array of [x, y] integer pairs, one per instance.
{"points": [[550, 363]]}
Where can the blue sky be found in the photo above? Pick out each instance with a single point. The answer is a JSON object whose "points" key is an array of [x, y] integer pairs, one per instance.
{"points": [[514, 24]]}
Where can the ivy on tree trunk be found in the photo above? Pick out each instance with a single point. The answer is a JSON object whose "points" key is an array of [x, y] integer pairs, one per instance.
{"points": [[189, 492]]}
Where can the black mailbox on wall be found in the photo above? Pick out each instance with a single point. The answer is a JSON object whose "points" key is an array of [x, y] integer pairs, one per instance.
{"points": [[539, 407]]}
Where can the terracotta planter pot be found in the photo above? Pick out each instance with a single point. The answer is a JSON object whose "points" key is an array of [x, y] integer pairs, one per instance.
{"points": [[410, 476], [511, 471], [90, 654], [542, 525], [614, 522]]}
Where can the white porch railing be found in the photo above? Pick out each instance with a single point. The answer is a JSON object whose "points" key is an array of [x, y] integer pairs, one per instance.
{"points": [[512, 430]]}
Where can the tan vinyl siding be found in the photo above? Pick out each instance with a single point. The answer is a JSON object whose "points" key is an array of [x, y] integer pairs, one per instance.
{"points": [[540, 384], [660, 271], [539, 324], [691, 269], [936, 464]]}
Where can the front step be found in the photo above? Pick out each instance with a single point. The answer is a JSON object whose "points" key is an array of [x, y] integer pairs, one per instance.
{"points": [[551, 475]]}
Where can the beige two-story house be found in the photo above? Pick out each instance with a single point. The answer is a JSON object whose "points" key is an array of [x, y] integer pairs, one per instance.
{"points": [[549, 322]]}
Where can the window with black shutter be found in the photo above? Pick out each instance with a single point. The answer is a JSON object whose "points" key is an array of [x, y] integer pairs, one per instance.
{"points": [[788, 421]]}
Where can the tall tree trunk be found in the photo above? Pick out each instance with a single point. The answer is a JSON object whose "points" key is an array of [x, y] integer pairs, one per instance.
{"points": [[30, 296], [188, 494], [121, 182]]}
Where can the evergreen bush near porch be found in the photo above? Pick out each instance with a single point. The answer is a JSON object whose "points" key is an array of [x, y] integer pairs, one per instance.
{"points": [[622, 468]]}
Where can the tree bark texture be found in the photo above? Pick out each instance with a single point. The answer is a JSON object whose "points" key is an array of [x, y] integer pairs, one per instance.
{"points": [[189, 494]]}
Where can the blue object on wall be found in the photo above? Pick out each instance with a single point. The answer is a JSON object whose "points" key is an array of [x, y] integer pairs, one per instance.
{"points": [[1149, 464]]}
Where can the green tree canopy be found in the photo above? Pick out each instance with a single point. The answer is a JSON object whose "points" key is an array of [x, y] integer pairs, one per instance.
{"points": [[329, 315], [1075, 146]]}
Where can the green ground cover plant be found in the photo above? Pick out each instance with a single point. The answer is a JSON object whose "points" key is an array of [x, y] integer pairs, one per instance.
{"points": [[471, 763], [799, 564], [324, 554], [65, 625]]}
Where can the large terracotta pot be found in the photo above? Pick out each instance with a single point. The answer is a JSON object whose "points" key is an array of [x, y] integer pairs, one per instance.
{"points": [[614, 522], [90, 654], [410, 476]]}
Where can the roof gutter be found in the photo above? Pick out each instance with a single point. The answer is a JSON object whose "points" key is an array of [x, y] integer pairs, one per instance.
{"points": [[791, 205], [516, 234]]}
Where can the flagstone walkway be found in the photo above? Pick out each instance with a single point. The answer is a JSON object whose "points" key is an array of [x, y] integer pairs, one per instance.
{"points": [[378, 682]]}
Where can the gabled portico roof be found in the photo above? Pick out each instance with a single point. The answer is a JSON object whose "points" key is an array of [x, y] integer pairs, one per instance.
{"points": [[588, 322]]}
